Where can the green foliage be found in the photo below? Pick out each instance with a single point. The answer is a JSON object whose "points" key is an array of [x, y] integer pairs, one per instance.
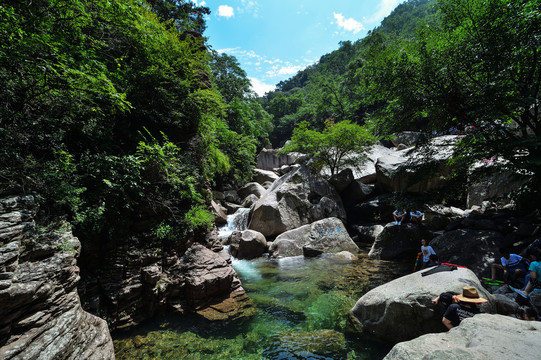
{"points": [[80, 82], [338, 146]]}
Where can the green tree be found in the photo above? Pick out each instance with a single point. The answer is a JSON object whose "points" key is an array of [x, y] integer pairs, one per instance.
{"points": [[338, 146]]}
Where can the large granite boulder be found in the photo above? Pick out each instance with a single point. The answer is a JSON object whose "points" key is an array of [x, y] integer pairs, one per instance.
{"points": [[262, 176], [298, 198], [475, 249], [212, 287], [251, 188], [324, 236], [247, 244], [356, 192], [366, 233], [395, 172], [379, 209], [396, 241], [269, 159], [342, 180], [402, 310], [406, 138], [40, 311], [482, 337], [494, 185]]}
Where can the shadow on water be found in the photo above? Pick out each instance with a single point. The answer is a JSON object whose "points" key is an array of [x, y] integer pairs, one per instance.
{"points": [[302, 313]]}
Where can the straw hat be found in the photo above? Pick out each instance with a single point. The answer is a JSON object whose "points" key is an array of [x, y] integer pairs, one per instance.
{"points": [[469, 294]]}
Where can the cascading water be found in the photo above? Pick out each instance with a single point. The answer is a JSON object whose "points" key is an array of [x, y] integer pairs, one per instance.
{"points": [[237, 221]]}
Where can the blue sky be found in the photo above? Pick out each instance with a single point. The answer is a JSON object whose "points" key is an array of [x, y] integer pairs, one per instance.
{"points": [[274, 39]]}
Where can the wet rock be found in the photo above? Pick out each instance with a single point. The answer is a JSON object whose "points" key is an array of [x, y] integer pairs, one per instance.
{"points": [[247, 244], [324, 236]]}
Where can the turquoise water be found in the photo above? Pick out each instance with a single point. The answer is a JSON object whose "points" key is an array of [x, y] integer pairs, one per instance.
{"points": [[302, 313]]}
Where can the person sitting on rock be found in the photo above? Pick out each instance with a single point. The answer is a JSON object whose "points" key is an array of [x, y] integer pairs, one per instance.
{"points": [[416, 217], [466, 307], [534, 281], [399, 216], [513, 266], [426, 250]]}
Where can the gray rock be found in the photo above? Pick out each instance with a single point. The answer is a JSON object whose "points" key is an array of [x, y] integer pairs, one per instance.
{"points": [[247, 244], [475, 249], [394, 171], [367, 233], [482, 337], [261, 176], [218, 195], [40, 313], [324, 236], [342, 180], [506, 304], [208, 276], [251, 188], [494, 185], [232, 196], [402, 310], [356, 192], [269, 159], [406, 137], [399, 240], [297, 198], [249, 201]]}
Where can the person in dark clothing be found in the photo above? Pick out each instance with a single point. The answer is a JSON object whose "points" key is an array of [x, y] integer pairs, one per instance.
{"points": [[465, 308]]}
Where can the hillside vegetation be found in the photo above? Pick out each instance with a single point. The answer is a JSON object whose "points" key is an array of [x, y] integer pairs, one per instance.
{"points": [[117, 110]]}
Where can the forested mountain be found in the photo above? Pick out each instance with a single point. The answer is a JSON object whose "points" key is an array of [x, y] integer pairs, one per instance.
{"points": [[117, 109], [432, 66], [331, 88]]}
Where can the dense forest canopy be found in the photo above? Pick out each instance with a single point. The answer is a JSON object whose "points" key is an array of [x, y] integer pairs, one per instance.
{"points": [[117, 109], [431, 66]]}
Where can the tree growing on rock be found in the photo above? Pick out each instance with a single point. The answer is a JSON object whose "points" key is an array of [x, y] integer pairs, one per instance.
{"points": [[338, 146]]}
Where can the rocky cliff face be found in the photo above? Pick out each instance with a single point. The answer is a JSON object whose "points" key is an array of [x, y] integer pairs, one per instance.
{"points": [[132, 279], [40, 312]]}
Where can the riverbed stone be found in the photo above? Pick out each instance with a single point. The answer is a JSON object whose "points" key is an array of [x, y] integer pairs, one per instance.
{"points": [[247, 244], [298, 198], [323, 236], [482, 337], [367, 233], [401, 310]]}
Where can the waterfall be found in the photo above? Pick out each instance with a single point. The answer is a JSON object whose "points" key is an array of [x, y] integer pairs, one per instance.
{"points": [[237, 221]]}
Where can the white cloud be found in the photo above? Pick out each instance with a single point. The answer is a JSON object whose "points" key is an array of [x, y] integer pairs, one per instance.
{"points": [[348, 24], [249, 7], [384, 8], [225, 11], [259, 87]]}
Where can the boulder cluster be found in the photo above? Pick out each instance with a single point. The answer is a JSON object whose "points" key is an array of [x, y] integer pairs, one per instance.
{"points": [[295, 210]]}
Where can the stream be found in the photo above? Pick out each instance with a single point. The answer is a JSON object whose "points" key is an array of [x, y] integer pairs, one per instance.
{"points": [[302, 313]]}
